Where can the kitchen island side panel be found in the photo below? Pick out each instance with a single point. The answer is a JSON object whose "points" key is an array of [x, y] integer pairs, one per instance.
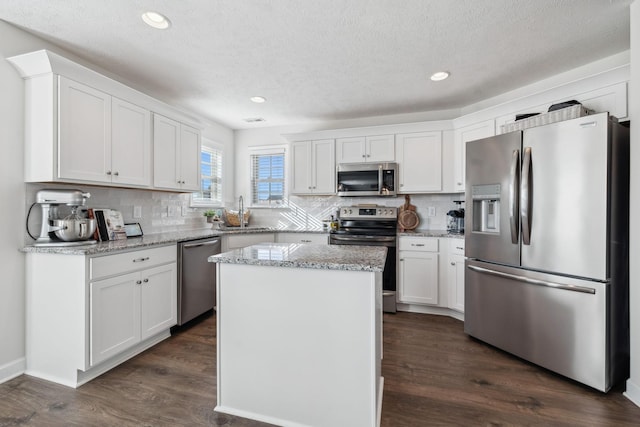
{"points": [[299, 346]]}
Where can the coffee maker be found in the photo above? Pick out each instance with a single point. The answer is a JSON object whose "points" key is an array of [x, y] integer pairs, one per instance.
{"points": [[68, 231], [455, 223]]}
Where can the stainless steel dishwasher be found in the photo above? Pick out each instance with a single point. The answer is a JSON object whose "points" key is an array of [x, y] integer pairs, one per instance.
{"points": [[196, 277]]}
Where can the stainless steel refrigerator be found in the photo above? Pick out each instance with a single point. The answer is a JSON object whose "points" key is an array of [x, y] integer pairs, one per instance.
{"points": [[546, 235]]}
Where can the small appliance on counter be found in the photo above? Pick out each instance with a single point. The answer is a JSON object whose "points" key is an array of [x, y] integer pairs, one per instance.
{"points": [[455, 223], [71, 230]]}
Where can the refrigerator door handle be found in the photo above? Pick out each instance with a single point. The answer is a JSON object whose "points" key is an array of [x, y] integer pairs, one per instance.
{"points": [[573, 288], [525, 197], [513, 195]]}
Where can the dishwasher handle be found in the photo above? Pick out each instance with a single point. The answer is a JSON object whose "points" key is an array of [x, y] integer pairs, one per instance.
{"points": [[196, 245]]}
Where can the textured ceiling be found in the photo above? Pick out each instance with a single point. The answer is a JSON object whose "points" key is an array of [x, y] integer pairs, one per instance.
{"points": [[328, 59]]}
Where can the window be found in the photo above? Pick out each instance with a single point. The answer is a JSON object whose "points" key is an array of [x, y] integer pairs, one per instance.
{"points": [[267, 177], [210, 193]]}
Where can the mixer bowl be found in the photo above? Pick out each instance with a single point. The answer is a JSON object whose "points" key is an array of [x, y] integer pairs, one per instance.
{"points": [[72, 230]]}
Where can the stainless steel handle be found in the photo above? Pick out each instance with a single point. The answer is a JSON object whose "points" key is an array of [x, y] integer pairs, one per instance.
{"points": [[513, 195], [459, 247], [388, 293], [573, 288], [195, 245], [525, 197], [305, 241], [417, 244], [364, 240], [588, 124], [380, 179], [141, 259]]}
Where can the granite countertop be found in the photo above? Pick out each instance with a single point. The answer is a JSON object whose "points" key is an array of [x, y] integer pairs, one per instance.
{"points": [[431, 233], [296, 255], [156, 239]]}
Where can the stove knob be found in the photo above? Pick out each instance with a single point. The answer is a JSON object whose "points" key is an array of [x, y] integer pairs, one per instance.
{"points": [[350, 211]]}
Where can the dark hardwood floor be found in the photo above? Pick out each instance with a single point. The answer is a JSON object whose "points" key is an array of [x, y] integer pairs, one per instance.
{"points": [[434, 375]]}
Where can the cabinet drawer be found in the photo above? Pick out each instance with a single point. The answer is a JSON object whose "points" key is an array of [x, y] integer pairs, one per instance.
{"points": [[456, 246], [422, 244], [131, 261]]}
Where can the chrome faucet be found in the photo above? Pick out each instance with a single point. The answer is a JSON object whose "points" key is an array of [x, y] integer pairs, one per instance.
{"points": [[241, 211]]}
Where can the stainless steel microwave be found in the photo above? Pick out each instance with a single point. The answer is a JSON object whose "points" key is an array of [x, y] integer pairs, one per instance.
{"points": [[367, 179]]}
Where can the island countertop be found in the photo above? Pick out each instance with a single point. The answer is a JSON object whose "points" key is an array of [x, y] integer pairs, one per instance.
{"points": [[296, 255]]}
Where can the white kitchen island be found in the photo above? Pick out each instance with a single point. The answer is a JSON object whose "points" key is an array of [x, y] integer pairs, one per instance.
{"points": [[299, 334]]}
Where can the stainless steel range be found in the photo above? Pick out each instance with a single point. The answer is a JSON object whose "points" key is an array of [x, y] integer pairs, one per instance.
{"points": [[372, 225]]}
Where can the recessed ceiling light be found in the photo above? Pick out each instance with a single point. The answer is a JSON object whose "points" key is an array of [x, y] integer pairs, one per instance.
{"points": [[156, 20], [254, 120], [440, 75], [258, 99]]}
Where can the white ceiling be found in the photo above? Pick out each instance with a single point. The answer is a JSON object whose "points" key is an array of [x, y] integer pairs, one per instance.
{"points": [[320, 60]]}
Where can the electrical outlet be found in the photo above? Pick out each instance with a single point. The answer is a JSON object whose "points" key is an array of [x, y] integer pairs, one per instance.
{"points": [[137, 212], [431, 211]]}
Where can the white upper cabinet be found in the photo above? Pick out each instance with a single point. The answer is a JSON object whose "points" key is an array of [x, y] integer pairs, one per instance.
{"points": [[83, 127], [419, 157], [130, 143], [102, 138], [313, 168], [461, 137], [176, 155], [363, 149], [84, 144]]}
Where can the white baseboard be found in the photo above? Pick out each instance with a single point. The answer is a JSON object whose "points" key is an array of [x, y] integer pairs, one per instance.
{"points": [[13, 369], [633, 392], [428, 309]]}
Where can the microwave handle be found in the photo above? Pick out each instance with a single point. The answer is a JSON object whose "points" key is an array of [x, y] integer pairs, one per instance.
{"points": [[380, 179]]}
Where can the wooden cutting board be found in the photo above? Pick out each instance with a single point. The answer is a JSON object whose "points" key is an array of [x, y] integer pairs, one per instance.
{"points": [[408, 217]]}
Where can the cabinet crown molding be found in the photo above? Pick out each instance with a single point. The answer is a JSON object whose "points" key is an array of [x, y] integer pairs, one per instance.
{"points": [[42, 62]]}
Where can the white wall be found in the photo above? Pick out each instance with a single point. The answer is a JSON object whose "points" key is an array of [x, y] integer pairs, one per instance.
{"points": [[12, 314], [633, 384], [17, 196]]}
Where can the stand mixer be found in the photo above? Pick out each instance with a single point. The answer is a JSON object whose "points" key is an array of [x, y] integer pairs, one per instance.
{"points": [[69, 231]]}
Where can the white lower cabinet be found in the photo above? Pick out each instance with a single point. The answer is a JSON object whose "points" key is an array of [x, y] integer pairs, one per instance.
{"points": [[87, 314], [418, 270], [455, 274], [431, 275], [130, 308], [236, 241]]}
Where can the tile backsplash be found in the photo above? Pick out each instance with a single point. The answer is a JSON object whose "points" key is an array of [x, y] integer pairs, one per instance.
{"points": [[165, 211]]}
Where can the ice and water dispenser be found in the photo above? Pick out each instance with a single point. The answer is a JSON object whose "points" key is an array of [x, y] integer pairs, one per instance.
{"points": [[486, 208]]}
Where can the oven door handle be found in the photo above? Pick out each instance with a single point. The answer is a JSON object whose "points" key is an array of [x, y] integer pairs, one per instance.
{"points": [[364, 239]]}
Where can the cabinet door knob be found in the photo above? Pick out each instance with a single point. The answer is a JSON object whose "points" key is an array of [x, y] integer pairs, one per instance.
{"points": [[459, 183], [364, 156], [116, 173], [146, 280], [108, 172], [453, 263], [138, 282]]}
